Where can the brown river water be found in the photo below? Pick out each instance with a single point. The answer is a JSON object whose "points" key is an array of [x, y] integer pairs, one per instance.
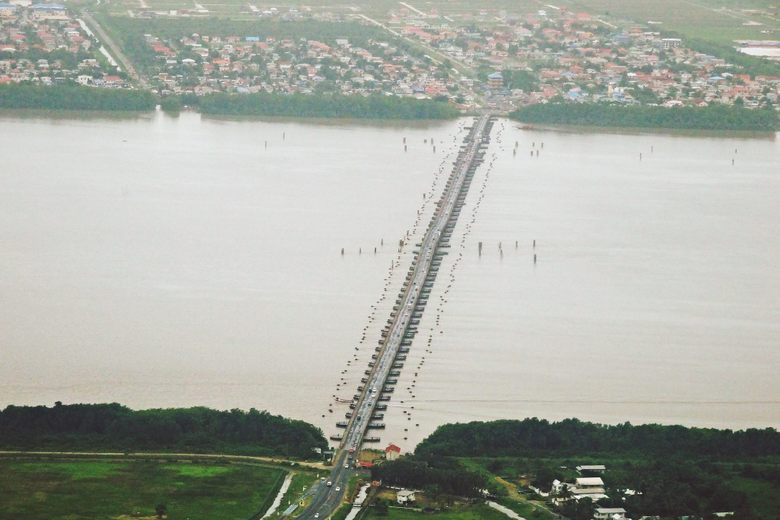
{"points": [[160, 261]]}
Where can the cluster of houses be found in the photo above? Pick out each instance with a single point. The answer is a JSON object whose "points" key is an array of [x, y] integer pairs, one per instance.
{"points": [[582, 58], [45, 44], [588, 485], [202, 64], [548, 54]]}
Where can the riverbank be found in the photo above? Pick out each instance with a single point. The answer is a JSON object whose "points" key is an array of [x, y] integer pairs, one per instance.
{"points": [[711, 118], [79, 98], [75, 98], [112, 427]]}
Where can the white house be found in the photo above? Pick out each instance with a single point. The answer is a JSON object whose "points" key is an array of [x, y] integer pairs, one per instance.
{"points": [[588, 487], [609, 513], [591, 468], [404, 496], [589, 483]]}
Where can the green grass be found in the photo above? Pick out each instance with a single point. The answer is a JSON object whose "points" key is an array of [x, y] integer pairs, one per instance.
{"points": [[197, 471], [75, 490], [765, 498], [477, 512], [700, 19], [85, 470]]}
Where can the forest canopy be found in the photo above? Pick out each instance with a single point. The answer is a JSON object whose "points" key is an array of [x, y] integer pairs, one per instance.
{"points": [[114, 427], [73, 97], [538, 437], [299, 105], [714, 117]]}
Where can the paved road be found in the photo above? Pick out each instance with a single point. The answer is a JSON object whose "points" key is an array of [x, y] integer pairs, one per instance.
{"points": [[327, 496], [115, 49]]}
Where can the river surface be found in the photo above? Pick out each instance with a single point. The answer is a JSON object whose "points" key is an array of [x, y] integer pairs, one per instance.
{"points": [[162, 261]]}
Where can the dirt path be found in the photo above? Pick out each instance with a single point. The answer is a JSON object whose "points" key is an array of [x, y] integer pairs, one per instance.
{"points": [[160, 455]]}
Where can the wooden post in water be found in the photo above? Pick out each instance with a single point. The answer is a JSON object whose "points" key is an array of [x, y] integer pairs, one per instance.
{"points": [[479, 247], [342, 251]]}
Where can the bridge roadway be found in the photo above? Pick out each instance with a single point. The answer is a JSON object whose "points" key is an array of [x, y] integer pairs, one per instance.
{"points": [[327, 498]]}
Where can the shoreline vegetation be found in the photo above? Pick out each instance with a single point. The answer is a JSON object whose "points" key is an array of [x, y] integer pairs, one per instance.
{"points": [[718, 118], [65, 98], [113, 427], [78, 98], [651, 470], [75, 98]]}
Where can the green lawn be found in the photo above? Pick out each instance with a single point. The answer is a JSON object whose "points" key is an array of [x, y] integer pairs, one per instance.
{"points": [[75, 490], [765, 498], [478, 512]]}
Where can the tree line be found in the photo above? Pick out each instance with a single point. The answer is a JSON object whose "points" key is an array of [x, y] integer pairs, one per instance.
{"points": [[714, 117], [300, 105], [443, 476], [115, 427], [74, 97], [538, 437]]}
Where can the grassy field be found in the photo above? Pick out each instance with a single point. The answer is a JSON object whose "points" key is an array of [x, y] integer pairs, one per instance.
{"points": [[98, 489], [478, 512], [719, 21]]}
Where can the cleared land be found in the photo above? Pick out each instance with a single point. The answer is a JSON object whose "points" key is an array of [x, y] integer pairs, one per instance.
{"points": [[477, 512], [97, 489]]}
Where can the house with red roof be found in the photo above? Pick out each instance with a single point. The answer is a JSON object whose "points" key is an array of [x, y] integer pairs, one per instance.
{"points": [[392, 452]]}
